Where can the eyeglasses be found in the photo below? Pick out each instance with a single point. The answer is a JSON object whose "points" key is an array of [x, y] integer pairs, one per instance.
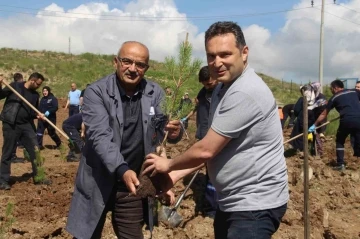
{"points": [[128, 62]]}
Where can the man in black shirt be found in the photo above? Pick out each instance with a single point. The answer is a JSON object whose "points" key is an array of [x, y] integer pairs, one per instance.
{"points": [[18, 77], [18, 122], [346, 102], [202, 109]]}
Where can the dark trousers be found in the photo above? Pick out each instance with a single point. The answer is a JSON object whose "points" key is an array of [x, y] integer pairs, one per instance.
{"points": [[346, 128], [210, 195], [260, 224], [127, 216], [11, 134], [73, 109], [74, 135], [42, 125]]}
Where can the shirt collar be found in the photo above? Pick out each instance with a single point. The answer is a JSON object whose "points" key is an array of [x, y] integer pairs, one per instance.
{"points": [[140, 88]]}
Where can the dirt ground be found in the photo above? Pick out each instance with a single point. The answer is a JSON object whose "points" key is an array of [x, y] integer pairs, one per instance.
{"points": [[41, 211]]}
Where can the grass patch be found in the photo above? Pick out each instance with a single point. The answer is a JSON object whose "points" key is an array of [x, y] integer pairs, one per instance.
{"points": [[331, 128]]}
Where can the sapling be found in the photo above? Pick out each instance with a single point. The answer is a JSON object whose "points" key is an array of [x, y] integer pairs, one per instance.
{"points": [[181, 69]]}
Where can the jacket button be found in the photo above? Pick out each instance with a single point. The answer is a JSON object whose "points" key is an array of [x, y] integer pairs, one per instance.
{"points": [[145, 121]]}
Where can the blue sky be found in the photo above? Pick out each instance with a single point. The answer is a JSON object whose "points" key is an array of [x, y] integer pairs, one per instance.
{"points": [[283, 45], [190, 7]]}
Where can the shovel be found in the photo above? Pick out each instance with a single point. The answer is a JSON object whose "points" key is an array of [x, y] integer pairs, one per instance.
{"points": [[38, 112], [169, 216]]}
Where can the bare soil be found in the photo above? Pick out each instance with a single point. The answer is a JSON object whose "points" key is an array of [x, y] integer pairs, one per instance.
{"points": [[41, 211]]}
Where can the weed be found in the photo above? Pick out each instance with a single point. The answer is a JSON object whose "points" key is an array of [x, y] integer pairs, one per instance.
{"points": [[8, 220]]}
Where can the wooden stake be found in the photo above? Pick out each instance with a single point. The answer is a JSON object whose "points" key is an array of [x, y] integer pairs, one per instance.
{"points": [[306, 168]]}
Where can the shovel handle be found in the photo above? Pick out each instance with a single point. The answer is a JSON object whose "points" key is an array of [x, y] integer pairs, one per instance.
{"points": [[34, 109], [185, 191], [299, 135]]}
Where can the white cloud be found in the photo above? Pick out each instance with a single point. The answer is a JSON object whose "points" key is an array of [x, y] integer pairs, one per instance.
{"points": [[291, 51], [294, 50], [94, 34]]}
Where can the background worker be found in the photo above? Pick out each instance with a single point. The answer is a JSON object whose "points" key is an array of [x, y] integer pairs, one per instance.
{"points": [[18, 123], [346, 102], [185, 103], [202, 109], [73, 101], [48, 106]]}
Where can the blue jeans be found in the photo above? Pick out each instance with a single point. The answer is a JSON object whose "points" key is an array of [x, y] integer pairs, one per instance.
{"points": [[260, 224]]}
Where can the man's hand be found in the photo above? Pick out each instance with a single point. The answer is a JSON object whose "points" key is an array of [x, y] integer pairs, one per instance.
{"points": [[156, 164], [173, 127], [41, 116], [167, 198], [131, 181]]}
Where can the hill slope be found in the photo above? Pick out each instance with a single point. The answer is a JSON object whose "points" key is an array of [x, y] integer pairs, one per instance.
{"points": [[61, 69]]}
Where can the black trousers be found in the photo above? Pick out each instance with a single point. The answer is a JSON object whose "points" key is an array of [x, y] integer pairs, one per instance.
{"points": [[345, 128], [42, 125], [11, 134], [127, 216], [74, 135], [73, 109]]}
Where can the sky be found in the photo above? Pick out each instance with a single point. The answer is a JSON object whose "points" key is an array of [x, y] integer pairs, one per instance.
{"points": [[283, 35]]}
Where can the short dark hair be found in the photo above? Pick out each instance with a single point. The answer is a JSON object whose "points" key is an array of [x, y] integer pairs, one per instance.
{"points": [[221, 28], [357, 82], [18, 77], [204, 74], [337, 83], [36, 75]]}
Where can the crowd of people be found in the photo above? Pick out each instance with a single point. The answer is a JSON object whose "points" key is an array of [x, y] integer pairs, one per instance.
{"points": [[19, 127], [345, 101], [117, 124]]}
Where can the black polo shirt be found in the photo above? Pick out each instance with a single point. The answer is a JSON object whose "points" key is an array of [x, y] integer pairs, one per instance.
{"points": [[346, 102], [132, 145]]}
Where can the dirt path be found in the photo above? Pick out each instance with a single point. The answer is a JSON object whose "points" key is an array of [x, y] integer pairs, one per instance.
{"points": [[41, 211]]}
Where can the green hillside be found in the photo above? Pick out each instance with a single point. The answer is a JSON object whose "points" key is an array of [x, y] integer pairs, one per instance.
{"points": [[60, 69]]}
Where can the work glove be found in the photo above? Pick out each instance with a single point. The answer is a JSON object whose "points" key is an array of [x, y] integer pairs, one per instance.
{"points": [[183, 120], [312, 128], [47, 113]]}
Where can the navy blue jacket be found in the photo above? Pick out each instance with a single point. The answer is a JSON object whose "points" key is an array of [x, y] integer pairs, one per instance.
{"points": [[49, 103]]}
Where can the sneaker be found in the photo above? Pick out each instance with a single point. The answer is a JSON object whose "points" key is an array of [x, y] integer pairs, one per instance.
{"points": [[15, 159], [340, 167], [74, 158], [210, 214], [43, 182], [4, 186]]}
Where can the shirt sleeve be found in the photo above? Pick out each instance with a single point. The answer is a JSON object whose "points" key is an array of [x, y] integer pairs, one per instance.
{"points": [[330, 104], [235, 113]]}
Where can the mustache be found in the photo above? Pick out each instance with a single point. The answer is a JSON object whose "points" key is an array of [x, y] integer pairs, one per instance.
{"points": [[131, 73]]}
